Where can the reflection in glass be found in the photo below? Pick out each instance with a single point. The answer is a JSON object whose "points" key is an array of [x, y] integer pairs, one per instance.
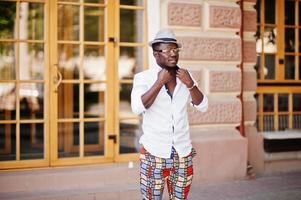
{"points": [[257, 66], [95, 65], [257, 97], [32, 21], [94, 138], [68, 22], [7, 101], [32, 62], [268, 41], [31, 101], [289, 64], [94, 24], [257, 123], [297, 102], [283, 122], [94, 95], [131, 25], [130, 62], [268, 123], [299, 67], [283, 102], [132, 2], [125, 101], [268, 102], [290, 40], [8, 19], [269, 11], [68, 100], [7, 142], [31, 141], [269, 70], [130, 132], [68, 139], [7, 61], [68, 55], [289, 12]]}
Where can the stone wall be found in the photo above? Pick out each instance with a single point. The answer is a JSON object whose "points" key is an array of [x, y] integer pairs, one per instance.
{"points": [[213, 50]]}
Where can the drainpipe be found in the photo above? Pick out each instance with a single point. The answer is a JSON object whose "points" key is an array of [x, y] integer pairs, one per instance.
{"points": [[242, 126]]}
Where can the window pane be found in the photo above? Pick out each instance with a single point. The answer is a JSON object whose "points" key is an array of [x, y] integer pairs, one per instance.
{"points": [[289, 67], [300, 37], [297, 121], [32, 21], [7, 142], [268, 123], [130, 132], [270, 40], [269, 12], [32, 141], [32, 64], [283, 102], [257, 97], [299, 14], [68, 139], [130, 61], [268, 103], [132, 2], [68, 22], [7, 101], [94, 24], [131, 25], [290, 12], [68, 100], [94, 64], [7, 61], [269, 70], [283, 121], [68, 56], [31, 101], [125, 101], [290, 40], [299, 67], [296, 102], [94, 138], [8, 19], [94, 95]]}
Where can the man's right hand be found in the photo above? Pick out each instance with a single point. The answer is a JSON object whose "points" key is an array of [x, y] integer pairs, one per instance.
{"points": [[164, 76]]}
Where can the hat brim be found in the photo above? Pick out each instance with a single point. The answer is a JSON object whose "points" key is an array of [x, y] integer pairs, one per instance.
{"points": [[151, 43]]}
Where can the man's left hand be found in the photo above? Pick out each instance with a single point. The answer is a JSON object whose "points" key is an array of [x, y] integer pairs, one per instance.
{"points": [[184, 76]]}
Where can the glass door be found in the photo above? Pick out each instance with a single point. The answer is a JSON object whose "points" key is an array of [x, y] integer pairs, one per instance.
{"points": [[24, 107], [82, 82]]}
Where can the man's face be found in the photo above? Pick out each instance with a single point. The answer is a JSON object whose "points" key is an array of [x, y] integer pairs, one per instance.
{"points": [[166, 54]]}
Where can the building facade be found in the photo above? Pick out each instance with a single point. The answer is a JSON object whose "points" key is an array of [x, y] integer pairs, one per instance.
{"points": [[67, 67]]}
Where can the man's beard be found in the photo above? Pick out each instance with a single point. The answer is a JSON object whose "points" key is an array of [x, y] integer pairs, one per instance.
{"points": [[172, 69]]}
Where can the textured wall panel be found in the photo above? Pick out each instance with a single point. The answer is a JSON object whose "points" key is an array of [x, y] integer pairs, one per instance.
{"points": [[181, 14], [210, 49], [225, 111], [249, 51], [224, 81], [250, 18], [250, 110], [250, 81], [224, 17]]}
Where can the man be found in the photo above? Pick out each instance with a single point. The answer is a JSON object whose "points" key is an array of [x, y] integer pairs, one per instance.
{"points": [[162, 94]]}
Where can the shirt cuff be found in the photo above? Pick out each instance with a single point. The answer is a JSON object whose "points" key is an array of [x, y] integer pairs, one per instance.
{"points": [[203, 106]]}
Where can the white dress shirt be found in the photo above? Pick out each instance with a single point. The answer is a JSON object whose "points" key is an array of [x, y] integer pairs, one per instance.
{"points": [[165, 122]]}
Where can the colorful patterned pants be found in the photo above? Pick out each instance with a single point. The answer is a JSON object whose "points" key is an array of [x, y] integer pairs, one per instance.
{"points": [[176, 172]]}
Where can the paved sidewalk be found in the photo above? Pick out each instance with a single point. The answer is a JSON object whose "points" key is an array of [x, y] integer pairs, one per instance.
{"points": [[281, 186]]}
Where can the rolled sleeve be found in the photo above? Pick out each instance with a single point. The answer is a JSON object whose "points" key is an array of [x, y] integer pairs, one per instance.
{"points": [[203, 106], [139, 88]]}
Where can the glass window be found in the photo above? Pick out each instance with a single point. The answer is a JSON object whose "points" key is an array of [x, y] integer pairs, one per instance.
{"points": [[7, 20], [7, 61], [68, 22], [131, 25], [289, 67], [132, 2], [7, 142], [290, 12], [290, 40], [269, 12], [269, 70], [68, 59], [68, 139], [283, 102], [297, 102], [94, 138], [94, 15], [68, 100], [130, 61], [130, 132], [268, 103]]}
